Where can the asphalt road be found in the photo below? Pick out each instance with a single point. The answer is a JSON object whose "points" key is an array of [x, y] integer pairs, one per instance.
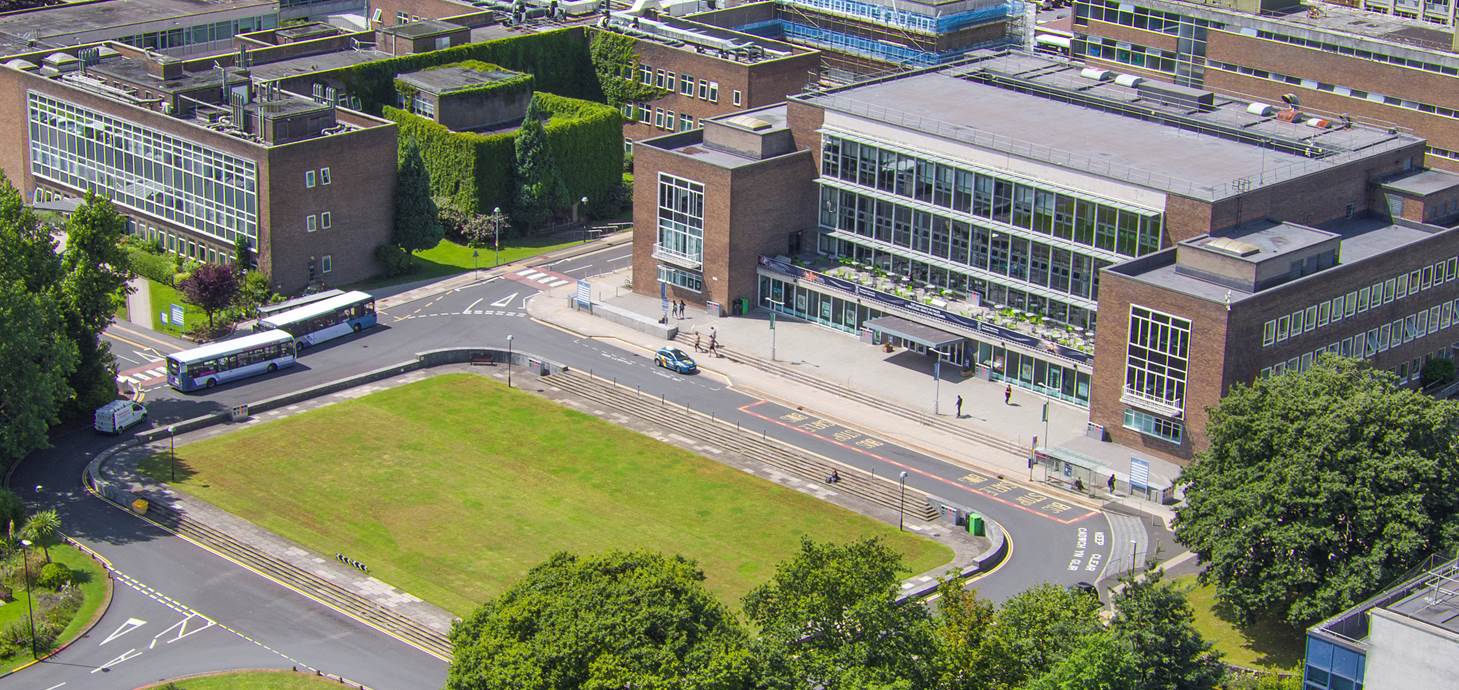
{"points": [[269, 625]]}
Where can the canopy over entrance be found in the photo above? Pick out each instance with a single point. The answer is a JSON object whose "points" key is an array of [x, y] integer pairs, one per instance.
{"points": [[913, 332]]}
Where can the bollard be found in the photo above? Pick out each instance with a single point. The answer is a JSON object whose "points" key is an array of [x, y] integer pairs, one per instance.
{"points": [[661, 399], [637, 391]]}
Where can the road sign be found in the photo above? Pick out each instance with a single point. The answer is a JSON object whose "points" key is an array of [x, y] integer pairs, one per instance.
{"points": [[585, 293], [1139, 474], [772, 320], [177, 315]]}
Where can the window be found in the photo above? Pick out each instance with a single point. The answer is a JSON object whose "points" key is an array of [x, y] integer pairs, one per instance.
{"points": [[377, 15], [735, 96], [1311, 317], [680, 218], [703, 89], [309, 179], [402, 17], [659, 78], [309, 222], [1159, 427], [643, 114], [686, 85], [325, 220], [645, 74], [659, 118], [686, 122], [1158, 356], [1269, 333], [713, 92], [1283, 324], [326, 263], [324, 176], [669, 82], [669, 120], [689, 280]]}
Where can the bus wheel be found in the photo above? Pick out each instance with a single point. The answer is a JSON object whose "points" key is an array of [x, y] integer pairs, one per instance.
{"points": [[355, 328], [272, 367], [212, 382]]}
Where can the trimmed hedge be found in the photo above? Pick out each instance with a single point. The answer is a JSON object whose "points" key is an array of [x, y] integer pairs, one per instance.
{"points": [[559, 61], [474, 173]]}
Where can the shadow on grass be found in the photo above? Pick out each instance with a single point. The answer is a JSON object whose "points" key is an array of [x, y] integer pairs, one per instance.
{"points": [[1266, 643], [161, 468]]}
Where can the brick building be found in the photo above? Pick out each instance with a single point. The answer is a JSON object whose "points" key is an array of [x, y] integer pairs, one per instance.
{"points": [[1383, 69], [196, 164], [705, 71], [938, 226]]}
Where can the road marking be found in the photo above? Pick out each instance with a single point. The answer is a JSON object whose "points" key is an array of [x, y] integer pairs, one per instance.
{"points": [[532, 275], [471, 306], [57, 685], [122, 356], [165, 345], [524, 301], [505, 301], [525, 271], [181, 627], [125, 656], [558, 283], [124, 628], [158, 371]]}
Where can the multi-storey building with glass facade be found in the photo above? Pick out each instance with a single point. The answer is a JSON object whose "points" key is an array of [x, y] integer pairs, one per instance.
{"points": [[199, 160], [974, 211]]}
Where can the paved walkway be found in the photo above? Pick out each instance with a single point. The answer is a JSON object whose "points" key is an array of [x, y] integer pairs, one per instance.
{"points": [[903, 378], [139, 303]]}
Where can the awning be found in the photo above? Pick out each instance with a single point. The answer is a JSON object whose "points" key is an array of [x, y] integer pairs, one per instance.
{"points": [[912, 331]]}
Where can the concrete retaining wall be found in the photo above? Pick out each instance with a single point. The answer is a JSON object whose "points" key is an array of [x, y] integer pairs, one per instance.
{"points": [[623, 317]]}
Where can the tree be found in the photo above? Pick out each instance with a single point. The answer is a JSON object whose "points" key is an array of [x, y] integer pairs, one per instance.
{"points": [[37, 354], [1031, 633], [1318, 488], [962, 620], [417, 225], [540, 189], [242, 254], [37, 357], [829, 617], [211, 287], [1154, 622], [12, 509], [254, 290], [95, 274], [619, 620], [42, 529], [1099, 661]]}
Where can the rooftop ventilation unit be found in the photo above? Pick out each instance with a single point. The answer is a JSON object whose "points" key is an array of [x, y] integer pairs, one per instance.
{"points": [[1234, 247], [1129, 80], [1261, 109], [1096, 74]]}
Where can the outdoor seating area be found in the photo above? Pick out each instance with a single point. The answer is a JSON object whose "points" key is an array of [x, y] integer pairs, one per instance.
{"points": [[953, 301]]}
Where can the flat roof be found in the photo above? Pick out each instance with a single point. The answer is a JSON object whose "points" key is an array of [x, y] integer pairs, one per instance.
{"points": [[77, 18], [422, 28], [310, 64], [1436, 604], [1431, 596], [926, 336], [1360, 22], [1424, 182], [1265, 239], [1044, 109], [135, 72], [448, 78], [1362, 238], [691, 143]]}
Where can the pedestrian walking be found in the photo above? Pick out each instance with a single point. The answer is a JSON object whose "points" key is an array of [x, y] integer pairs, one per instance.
{"points": [[1111, 483], [959, 406], [682, 306], [1008, 394], [697, 347]]}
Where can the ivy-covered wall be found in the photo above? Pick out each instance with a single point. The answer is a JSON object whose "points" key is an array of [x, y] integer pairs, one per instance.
{"points": [[559, 61], [474, 173], [616, 64]]}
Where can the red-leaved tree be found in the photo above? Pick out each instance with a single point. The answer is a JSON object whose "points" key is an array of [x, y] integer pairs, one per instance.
{"points": [[211, 287]]}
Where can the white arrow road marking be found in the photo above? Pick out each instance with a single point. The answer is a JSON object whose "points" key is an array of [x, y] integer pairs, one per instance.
{"points": [[118, 660], [524, 301], [505, 300], [181, 628], [472, 306], [124, 628]]}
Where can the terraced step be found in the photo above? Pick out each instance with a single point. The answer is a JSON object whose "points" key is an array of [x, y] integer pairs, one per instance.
{"points": [[961, 430], [781, 456]]}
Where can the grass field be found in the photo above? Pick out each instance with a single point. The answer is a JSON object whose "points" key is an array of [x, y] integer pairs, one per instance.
{"points": [[453, 487], [162, 298], [89, 577], [1269, 645], [252, 680]]}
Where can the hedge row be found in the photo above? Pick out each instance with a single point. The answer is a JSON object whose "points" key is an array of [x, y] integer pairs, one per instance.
{"points": [[559, 60], [474, 173]]}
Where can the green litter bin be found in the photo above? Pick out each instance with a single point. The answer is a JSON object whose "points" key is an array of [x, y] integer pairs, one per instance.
{"points": [[975, 525]]}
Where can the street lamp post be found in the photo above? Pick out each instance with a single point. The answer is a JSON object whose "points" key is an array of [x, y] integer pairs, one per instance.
{"points": [[772, 327], [509, 361], [29, 612], [936, 381], [475, 265], [583, 204], [902, 503], [1134, 545], [172, 450], [496, 233]]}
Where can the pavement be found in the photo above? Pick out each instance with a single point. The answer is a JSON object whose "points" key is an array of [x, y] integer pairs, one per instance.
{"points": [[903, 378]]}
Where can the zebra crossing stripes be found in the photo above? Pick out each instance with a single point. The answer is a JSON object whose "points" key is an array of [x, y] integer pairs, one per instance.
{"points": [[543, 277], [142, 377]]}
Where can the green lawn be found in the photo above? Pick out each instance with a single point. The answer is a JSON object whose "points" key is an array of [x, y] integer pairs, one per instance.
{"points": [[252, 680], [449, 258], [453, 487], [162, 298], [1269, 645], [89, 576]]}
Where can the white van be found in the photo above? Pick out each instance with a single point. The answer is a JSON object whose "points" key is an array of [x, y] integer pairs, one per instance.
{"points": [[118, 416]]}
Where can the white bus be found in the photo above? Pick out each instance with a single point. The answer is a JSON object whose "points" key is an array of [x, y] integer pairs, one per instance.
{"points": [[271, 310], [327, 319], [221, 362]]}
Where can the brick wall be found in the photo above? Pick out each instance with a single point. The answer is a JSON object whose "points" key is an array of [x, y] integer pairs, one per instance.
{"points": [[771, 200], [360, 199], [648, 162], [425, 9]]}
